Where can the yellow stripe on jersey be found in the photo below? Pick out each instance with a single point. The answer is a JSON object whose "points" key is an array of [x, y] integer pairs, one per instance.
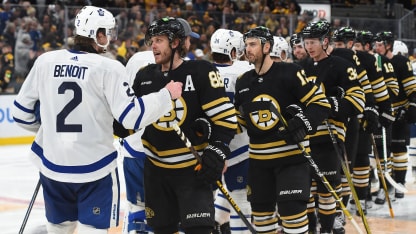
{"points": [[275, 149]]}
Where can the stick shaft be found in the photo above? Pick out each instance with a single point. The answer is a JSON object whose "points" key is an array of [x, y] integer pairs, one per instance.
{"points": [[29, 209], [219, 184]]}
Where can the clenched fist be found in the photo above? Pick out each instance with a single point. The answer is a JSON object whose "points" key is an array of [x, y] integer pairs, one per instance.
{"points": [[175, 89]]}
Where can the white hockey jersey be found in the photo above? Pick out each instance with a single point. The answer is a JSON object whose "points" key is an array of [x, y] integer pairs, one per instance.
{"points": [[132, 145], [230, 73], [80, 94]]}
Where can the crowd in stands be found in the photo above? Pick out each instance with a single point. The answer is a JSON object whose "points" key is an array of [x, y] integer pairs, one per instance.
{"points": [[29, 28]]}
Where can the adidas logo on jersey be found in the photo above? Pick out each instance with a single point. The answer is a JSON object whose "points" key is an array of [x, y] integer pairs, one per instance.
{"points": [[74, 58]]}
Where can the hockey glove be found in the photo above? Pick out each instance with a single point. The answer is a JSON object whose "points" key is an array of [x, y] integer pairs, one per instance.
{"points": [[200, 131], [334, 106], [386, 118], [213, 160], [411, 113], [297, 128], [370, 123], [337, 91]]}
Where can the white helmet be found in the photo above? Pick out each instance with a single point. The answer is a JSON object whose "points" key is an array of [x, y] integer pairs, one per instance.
{"points": [[280, 45], [400, 47], [223, 41], [90, 18]]}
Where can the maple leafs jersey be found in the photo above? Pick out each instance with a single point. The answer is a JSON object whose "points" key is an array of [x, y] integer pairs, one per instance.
{"points": [[203, 96], [80, 94], [230, 73], [258, 97]]}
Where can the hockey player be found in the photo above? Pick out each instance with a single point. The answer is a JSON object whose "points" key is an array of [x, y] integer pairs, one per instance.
{"points": [[299, 53], [177, 190], [378, 110], [404, 104], [262, 96], [280, 50], [338, 78], [70, 98], [364, 41], [227, 47], [131, 148]]}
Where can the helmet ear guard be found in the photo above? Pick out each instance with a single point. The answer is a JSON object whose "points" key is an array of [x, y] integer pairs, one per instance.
{"points": [[90, 20]]}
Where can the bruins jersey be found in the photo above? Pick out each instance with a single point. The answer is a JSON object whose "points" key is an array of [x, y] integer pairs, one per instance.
{"points": [[331, 73], [258, 98], [362, 76], [203, 96], [375, 75], [407, 81], [390, 77]]}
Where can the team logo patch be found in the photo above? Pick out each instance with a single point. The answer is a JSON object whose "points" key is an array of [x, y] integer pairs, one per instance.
{"points": [[175, 116], [149, 213], [96, 210], [264, 119]]}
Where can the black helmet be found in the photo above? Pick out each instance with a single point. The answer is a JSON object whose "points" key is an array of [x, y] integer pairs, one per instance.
{"points": [[262, 33], [385, 36], [169, 26], [317, 29], [364, 37], [294, 39], [344, 34]]}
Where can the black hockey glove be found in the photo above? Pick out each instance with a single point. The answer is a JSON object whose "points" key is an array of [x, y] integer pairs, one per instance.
{"points": [[386, 118], [411, 113], [200, 131], [334, 106], [213, 160], [337, 91], [297, 127], [371, 122]]}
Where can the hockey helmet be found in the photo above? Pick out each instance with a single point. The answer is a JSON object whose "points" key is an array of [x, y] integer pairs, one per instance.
{"points": [[168, 26], [295, 39], [90, 18], [319, 29], [344, 34], [223, 41], [280, 45], [385, 36], [364, 37], [400, 47], [261, 32]]}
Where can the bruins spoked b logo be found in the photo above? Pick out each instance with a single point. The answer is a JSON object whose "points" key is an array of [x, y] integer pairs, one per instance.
{"points": [[264, 119], [175, 116]]}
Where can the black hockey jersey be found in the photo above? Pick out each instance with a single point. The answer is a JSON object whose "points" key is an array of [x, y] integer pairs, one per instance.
{"points": [[203, 96], [407, 81], [257, 98], [331, 73]]}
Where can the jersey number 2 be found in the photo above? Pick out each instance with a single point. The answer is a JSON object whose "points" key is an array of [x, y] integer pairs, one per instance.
{"points": [[70, 106]]}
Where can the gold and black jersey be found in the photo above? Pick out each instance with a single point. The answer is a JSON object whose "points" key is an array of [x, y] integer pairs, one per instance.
{"points": [[375, 75], [389, 74], [331, 73], [362, 76], [407, 81], [259, 97], [203, 96]]}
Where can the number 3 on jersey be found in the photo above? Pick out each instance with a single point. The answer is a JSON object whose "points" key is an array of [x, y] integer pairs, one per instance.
{"points": [[215, 79]]}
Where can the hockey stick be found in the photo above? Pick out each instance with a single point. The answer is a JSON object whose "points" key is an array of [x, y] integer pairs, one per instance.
{"points": [[319, 173], [29, 209], [383, 181], [387, 175], [219, 184], [345, 168]]}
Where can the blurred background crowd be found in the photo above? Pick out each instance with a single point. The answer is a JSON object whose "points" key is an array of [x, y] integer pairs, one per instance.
{"points": [[30, 28]]}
